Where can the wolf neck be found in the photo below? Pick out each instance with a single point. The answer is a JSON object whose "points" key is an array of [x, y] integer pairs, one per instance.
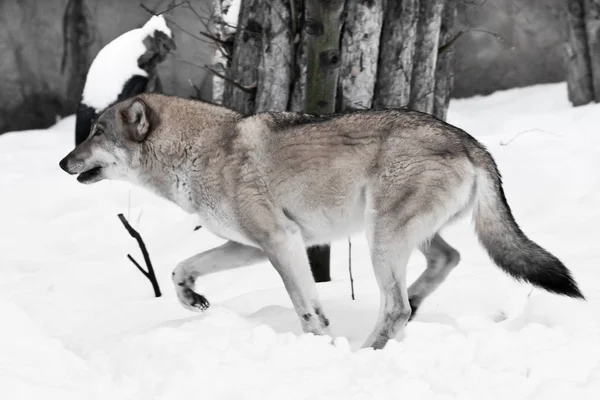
{"points": [[173, 157], [168, 169]]}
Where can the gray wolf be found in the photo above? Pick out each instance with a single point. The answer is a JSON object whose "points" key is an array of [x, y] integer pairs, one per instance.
{"points": [[277, 182]]}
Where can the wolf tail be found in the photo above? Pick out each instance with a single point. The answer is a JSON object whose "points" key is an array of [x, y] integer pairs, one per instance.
{"points": [[507, 245]]}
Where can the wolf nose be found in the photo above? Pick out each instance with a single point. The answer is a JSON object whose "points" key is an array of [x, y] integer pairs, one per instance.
{"points": [[63, 164]]}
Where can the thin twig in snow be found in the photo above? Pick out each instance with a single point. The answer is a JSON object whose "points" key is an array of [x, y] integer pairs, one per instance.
{"points": [[350, 266], [527, 131], [150, 273]]}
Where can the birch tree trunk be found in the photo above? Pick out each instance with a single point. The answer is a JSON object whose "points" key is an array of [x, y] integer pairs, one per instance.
{"points": [[425, 59], [396, 53], [360, 52], [220, 62], [298, 96], [240, 87], [323, 28], [579, 73], [323, 25], [592, 27], [275, 70], [444, 79]]}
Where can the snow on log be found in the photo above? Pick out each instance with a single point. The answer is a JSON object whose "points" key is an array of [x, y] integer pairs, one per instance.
{"points": [[123, 68]]}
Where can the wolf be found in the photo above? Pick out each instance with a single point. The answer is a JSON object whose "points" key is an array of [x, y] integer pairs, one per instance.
{"points": [[274, 183]]}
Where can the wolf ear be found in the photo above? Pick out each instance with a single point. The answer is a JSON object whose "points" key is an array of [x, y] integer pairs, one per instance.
{"points": [[137, 116]]}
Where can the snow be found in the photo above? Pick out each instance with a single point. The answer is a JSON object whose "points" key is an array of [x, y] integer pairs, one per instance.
{"points": [[232, 14], [79, 321], [117, 62]]}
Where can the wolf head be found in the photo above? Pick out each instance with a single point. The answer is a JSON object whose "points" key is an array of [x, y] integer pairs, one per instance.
{"points": [[113, 146]]}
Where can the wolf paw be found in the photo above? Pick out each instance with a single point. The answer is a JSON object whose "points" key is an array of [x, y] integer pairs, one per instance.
{"points": [[322, 318], [192, 300], [315, 324]]}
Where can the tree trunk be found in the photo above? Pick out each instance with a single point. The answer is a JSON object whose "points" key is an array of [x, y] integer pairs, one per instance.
{"points": [[298, 90], [425, 59], [240, 87], [579, 73], [322, 28], [319, 257], [275, 70], [77, 39], [220, 60], [592, 27], [360, 51], [444, 79], [396, 53]]}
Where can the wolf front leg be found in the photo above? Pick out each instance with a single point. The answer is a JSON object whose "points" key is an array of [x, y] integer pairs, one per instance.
{"points": [[228, 256], [286, 250]]}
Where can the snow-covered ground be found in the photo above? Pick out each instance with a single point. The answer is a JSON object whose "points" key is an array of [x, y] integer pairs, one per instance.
{"points": [[78, 321]]}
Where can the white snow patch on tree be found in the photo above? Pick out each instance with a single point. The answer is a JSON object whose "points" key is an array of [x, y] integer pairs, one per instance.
{"points": [[232, 14], [117, 62], [224, 22]]}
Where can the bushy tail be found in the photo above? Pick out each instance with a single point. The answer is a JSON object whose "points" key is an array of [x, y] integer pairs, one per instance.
{"points": [[507, 245]]}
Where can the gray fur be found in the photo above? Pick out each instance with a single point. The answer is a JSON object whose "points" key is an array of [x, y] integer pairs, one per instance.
{"points": [[275, 183]]}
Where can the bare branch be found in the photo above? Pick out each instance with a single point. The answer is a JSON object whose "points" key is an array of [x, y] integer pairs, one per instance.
{"points": [[448, 44], [150, 273], [500, 38], [137, 265], [451, 42], [170, 8], [184, 30], [196, 89], [214, 38], [248, 89], [418, 98]]}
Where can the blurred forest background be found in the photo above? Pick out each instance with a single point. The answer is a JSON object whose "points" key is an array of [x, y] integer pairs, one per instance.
{"points": [[43, 67]]}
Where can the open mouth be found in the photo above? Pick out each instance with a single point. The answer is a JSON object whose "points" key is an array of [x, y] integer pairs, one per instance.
{"points": [[91, 175]]}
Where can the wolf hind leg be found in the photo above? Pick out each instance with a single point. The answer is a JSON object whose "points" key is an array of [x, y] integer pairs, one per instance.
{"points": [[394, 228], [441, 260], [392, 236]]}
